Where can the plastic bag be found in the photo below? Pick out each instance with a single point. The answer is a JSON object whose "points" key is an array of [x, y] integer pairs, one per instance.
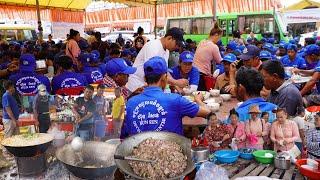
{"points": [[233, 144], [209, 171], [252, 138]]}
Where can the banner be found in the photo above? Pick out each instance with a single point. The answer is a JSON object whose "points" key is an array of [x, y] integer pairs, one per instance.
{"points": [[302, 16]]}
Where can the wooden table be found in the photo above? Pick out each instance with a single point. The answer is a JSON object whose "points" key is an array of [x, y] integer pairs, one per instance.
{"points": [[244, 168]]}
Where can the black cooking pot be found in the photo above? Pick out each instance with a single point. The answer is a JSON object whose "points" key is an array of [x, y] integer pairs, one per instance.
{"points": [[29, 151]]}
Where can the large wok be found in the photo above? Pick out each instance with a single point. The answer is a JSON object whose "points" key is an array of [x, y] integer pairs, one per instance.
{"points": [[99, 154], [126, 147], [28, 150]]}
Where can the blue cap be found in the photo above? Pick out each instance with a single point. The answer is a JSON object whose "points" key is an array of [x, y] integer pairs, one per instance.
{"points": [[126, 52], [264, 40], [95, 55], [119, 65], [83, 44], [186, 56], [249, 52], [249, 40], [155, 66], [312, 49], [27, 62], [292, 41], [265, 55], [271, 40], [269, 47], [232, 45], [292, 47], [229, 58], [241, 47], [283, 45], [84, 58]]}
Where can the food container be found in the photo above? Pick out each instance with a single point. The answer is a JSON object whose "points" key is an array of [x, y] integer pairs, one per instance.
{"points": [[213, 107], [282, 161], [311, 174], [205, 94], [200, 154], [214, 92], [261, 156], [227, 156], [226, 97], [246, 153]]}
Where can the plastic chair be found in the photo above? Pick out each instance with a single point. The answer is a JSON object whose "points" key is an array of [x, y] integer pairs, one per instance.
{"points": [[73, 91], [313, 109]]}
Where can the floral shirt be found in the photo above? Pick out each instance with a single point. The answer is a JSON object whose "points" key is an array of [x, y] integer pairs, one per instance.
{"points": [[110, 83], [215, 133], [313, 141]]}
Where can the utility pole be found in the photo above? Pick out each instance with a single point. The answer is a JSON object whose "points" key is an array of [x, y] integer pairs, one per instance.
{"points": [[39, 20]]}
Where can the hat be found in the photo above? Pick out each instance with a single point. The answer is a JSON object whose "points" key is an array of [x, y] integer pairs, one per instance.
{"points": [[283, 45], [176, 34], [85, 58], [264, 40], [271, 40], [126, 52], [292, 47], [268, 46], [232, 45], [95, 55], [265, 55], [27, 62], [254, 109], [312, 49], [249, 52], [155, 66], [119, 65], [229, 58], [186, 56]]}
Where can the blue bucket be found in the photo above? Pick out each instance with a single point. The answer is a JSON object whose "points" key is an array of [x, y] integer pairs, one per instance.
{"points": [[100, 128]]}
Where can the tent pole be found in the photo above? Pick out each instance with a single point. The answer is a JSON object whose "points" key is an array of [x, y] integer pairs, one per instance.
{"points": [[39, 21], [155, 20], [214, 11]]}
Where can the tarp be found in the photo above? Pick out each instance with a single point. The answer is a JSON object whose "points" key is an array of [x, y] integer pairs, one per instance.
{"points": [[65, 4]]}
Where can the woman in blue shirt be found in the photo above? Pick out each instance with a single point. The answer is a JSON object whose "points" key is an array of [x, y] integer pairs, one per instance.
{"points": [[185, 70]]}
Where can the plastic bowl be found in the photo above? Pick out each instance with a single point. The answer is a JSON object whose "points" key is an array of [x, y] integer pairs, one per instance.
{"points": [[261, 158], [246, 155], [227, 156], [311, 174], [214, 92]]}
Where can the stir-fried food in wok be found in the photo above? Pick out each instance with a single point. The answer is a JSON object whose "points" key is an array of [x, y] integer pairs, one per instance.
{"points": [[27, 140], [169, 159]]}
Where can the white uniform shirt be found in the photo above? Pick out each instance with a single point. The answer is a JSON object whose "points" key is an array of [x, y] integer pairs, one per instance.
{"points": [[149, 50]]}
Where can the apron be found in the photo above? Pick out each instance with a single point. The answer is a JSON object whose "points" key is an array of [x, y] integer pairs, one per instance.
{"points": [[43, 115]]}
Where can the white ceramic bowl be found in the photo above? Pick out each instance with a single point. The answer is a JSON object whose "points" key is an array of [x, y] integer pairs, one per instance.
{"points": [[226, 97], [214, 92], [214, 107]]}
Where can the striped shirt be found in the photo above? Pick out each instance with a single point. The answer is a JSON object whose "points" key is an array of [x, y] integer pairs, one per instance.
{"points": [[110, 83], [313, 141]]}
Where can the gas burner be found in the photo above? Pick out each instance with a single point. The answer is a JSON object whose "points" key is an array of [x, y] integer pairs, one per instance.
{"points": [[108, 177], [29, 166]]}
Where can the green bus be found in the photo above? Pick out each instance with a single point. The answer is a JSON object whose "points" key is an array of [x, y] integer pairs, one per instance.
{"points": [[261, 24]]}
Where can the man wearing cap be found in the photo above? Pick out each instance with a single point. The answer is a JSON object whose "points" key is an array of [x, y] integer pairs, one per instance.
{"points": [[292, 59], [117, 74], [26, 80], [187, 71], [250, 57], [223, 80], [159, 47], [154, 110], [311, 54], [231, 47], [126, 55], [91, 71], [282, 50], [265, 56], [67, 78]]}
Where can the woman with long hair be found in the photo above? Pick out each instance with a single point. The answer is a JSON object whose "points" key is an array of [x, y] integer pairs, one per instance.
{"points": [[72, 48]]}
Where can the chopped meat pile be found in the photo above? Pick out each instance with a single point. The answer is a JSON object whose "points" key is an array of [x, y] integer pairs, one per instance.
{"points": [[169, 159]]}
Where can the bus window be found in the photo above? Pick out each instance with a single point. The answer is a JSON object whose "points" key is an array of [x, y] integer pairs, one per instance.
{"points": [[185, 24], [173, 23], [223, 26], [197, 26], [231, 27], [28, 34]]}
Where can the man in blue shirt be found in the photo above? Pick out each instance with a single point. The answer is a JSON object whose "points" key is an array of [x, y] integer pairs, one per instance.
{"points": [[265, 56], [10, 110], [249, 83], [187, 71], [292, 59], [67, 78], [91, 71], [27, 80], [154, 110]]}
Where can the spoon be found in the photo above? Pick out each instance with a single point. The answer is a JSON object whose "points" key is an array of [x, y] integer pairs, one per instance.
{"points": [[132, 159]]}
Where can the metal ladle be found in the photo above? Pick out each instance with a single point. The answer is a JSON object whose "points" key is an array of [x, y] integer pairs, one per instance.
{"points": [[132, 159]]}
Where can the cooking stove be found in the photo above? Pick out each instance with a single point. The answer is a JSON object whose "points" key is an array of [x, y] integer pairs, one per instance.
{"points": [[28, 166]]}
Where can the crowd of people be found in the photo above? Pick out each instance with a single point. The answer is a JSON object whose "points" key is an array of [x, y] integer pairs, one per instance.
{"points": [[257, 72]]}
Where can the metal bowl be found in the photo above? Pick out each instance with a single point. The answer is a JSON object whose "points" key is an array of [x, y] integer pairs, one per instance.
{"points": [[200, 154], [126, 147]]}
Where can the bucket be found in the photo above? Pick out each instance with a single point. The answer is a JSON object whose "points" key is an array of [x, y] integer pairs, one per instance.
{"points": [[100, 128]]}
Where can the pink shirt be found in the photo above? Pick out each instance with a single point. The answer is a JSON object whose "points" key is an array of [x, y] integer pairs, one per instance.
{"points": [[206, 52], [73, 50], [240, 133], [288, 131]]}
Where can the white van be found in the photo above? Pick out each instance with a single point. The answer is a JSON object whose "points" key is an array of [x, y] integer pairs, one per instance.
{"points": [[17, 32]]}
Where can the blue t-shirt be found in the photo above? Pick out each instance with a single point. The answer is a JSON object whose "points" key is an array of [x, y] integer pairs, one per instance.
{"points": [[9, 101], [28, 82], [193, 75], [92, 74], [67, 80], [154, 110], [298, 62], [103, 67], [264, 106], [312, 65]]}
